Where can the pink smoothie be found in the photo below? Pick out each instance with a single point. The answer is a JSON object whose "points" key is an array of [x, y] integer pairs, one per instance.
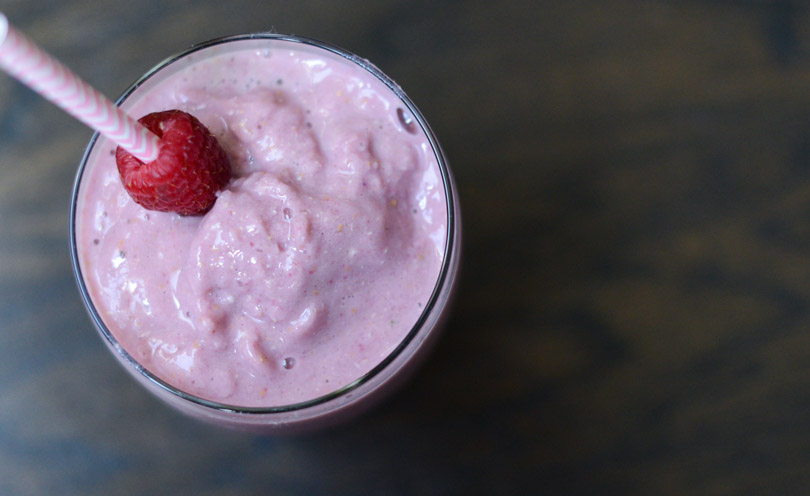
{"points": [[314, 263]]}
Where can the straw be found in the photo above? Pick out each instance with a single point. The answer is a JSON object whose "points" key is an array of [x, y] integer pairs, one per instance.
{"points": [[23, 59]]}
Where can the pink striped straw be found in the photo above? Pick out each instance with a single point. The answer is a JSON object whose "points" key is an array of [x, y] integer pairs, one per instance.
{"points": [[23, 59]]}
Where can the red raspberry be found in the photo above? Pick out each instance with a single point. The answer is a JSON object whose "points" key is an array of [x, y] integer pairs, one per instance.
{"points": [[190, 168]]}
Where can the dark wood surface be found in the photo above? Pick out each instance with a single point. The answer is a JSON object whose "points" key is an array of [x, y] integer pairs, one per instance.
{"points": [[634, 316]]}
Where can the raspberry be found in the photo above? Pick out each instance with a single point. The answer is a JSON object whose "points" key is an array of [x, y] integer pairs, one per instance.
{"points": [[190, 168]]}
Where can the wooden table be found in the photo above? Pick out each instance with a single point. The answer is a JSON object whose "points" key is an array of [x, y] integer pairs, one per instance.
{"points": [[634, 316]]}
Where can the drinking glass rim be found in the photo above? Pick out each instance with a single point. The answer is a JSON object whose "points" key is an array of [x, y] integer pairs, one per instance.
{"points": [[448, 261]]}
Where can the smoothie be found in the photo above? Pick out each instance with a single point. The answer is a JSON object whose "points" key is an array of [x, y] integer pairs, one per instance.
{"points": [[317, 260]]}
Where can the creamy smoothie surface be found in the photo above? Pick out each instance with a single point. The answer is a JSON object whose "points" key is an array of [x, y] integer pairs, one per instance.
{"points": [[315, 261]]}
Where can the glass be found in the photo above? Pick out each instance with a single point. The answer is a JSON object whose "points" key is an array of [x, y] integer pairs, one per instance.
{"points": [[366, 390]]}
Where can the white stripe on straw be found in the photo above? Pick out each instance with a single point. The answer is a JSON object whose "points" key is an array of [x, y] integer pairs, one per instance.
{"points": [[23, 59]]}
